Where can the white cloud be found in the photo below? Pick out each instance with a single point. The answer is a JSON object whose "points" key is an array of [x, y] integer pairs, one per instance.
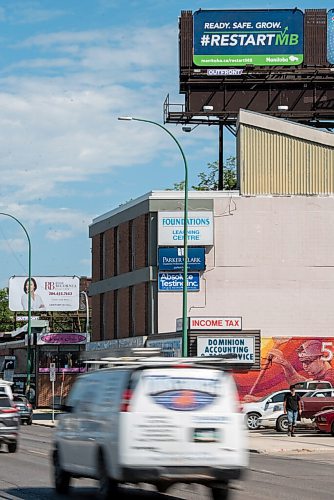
{"points": [[58, 234], [13, 245]]}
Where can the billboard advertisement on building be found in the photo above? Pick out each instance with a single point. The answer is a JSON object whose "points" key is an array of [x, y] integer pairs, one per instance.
{"points": [[330, 36], [173, 282], [48, 293], [241, 349], [200, 228], [286, 361], [248, 37]]}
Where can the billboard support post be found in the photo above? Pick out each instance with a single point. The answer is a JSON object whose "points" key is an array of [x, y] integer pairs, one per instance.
{"points": [[185, 234], [29, 302]]}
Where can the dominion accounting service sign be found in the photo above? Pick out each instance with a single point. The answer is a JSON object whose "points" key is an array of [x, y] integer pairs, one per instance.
{"points": [[242, 37]]}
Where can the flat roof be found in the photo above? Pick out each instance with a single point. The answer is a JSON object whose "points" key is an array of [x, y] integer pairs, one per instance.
{"points": [[165, 195]]}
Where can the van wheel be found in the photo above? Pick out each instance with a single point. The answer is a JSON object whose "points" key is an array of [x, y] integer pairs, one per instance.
{"points": [[221, 492], [252, 421], [107, 487], [12, 447], [162, 488], [61, 478]]}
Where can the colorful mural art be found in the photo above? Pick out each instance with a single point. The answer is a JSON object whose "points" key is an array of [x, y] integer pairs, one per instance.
{"points": [[286, 361]]}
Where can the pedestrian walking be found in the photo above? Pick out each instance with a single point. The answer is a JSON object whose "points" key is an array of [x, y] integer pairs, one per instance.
{"points": [[292, 407]]}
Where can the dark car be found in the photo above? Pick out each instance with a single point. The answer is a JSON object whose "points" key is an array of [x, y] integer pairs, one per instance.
{"points": [[9, 423], [24, 408], [324, 420]]}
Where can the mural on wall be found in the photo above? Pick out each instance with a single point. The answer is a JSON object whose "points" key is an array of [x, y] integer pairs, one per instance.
{"points": [[286, 361]]}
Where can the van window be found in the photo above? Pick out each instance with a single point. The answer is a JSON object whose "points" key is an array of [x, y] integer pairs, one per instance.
{"points": [[76, 392]]}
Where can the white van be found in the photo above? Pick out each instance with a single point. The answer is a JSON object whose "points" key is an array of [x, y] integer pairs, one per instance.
{"points": [[6, 388], [159, 423]]}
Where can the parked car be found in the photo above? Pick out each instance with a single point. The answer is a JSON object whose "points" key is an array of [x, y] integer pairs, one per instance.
{"points": [[278, 419], [24, 408], [9, 423], [265, 406], [312, 385], [324, 420], [159, 422], [312, 405]]}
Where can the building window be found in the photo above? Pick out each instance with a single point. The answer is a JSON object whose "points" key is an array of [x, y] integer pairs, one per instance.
{"points": [[102, 256], [116, 247], [116, 314], [132, 262], [102, 314]]}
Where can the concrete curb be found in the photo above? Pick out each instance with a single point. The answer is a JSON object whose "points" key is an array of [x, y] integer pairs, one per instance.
{"points": [[288, 451]]}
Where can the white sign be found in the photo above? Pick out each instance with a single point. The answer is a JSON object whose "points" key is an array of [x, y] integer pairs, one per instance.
{"points": [[216, 323], [200, 228], [48, 293], [241, 347], [52, 372]]}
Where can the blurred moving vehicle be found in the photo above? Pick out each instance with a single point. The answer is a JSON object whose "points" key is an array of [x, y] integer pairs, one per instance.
{"points": [[324, 421], [159, 422], [266, 406], [9, 423], [24, 408], [6, 388]]}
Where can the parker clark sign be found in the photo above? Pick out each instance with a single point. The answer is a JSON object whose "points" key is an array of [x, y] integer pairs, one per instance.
{"points": [[218, 323]]}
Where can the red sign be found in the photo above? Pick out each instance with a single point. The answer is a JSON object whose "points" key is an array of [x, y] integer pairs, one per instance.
{"points": [[215, 323]]}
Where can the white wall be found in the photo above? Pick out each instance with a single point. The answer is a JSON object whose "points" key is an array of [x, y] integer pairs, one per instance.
{"points": [[272, 264]]}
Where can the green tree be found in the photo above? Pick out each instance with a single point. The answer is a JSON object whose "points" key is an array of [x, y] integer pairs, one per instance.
{"points": [[208, 180], [6, 316]]}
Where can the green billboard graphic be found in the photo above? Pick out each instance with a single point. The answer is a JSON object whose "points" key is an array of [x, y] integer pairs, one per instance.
{"points": [[253, 37]]}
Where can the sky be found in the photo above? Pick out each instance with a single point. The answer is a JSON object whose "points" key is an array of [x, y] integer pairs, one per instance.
{"points": [[68, 69]]}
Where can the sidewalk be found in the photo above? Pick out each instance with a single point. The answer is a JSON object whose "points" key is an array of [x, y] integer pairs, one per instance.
{"points": [[44, 417], [271, 442]]}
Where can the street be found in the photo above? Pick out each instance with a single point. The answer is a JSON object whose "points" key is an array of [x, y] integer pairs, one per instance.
{"points": [[27, 475]]}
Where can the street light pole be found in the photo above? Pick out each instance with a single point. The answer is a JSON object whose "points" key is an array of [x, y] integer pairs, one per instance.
{"points": [[185, 234], [29, 301]]}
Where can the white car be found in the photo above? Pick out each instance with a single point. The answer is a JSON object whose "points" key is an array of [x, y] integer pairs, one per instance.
{"points": [[159, 422], [265, 406], [6, 388]]}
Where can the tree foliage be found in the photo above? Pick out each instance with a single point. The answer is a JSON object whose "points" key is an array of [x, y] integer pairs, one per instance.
{"points": [[208, 180], [6, 316]]}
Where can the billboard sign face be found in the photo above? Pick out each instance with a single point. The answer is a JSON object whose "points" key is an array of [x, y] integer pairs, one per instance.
{"points": [[243, 37], [200, 228], [242, 347], [48, 293], [173, 282], [216, 323], [171, 259], [330, 36]]}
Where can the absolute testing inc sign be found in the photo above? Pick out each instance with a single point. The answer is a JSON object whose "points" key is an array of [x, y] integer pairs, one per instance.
{"points": [[241, 348], [48, 293], [173, 282], [243, 37], [171, 228]]}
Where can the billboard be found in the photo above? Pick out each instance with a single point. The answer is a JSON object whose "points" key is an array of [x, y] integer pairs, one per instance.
{"points": [[171, 259], [200, 228], [48, 293], [286, 361], [330, 36], [248, 37]]}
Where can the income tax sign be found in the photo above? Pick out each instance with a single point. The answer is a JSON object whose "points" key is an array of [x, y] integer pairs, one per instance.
{"points": [[243, 37]]}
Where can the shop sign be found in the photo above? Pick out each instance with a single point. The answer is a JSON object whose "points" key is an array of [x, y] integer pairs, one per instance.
{"points": [[216, 323], [61, 338], [172, 259], [170, 348], [199, 231], [130, 342], [248, 37], [242, 349], [173, 282]]}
